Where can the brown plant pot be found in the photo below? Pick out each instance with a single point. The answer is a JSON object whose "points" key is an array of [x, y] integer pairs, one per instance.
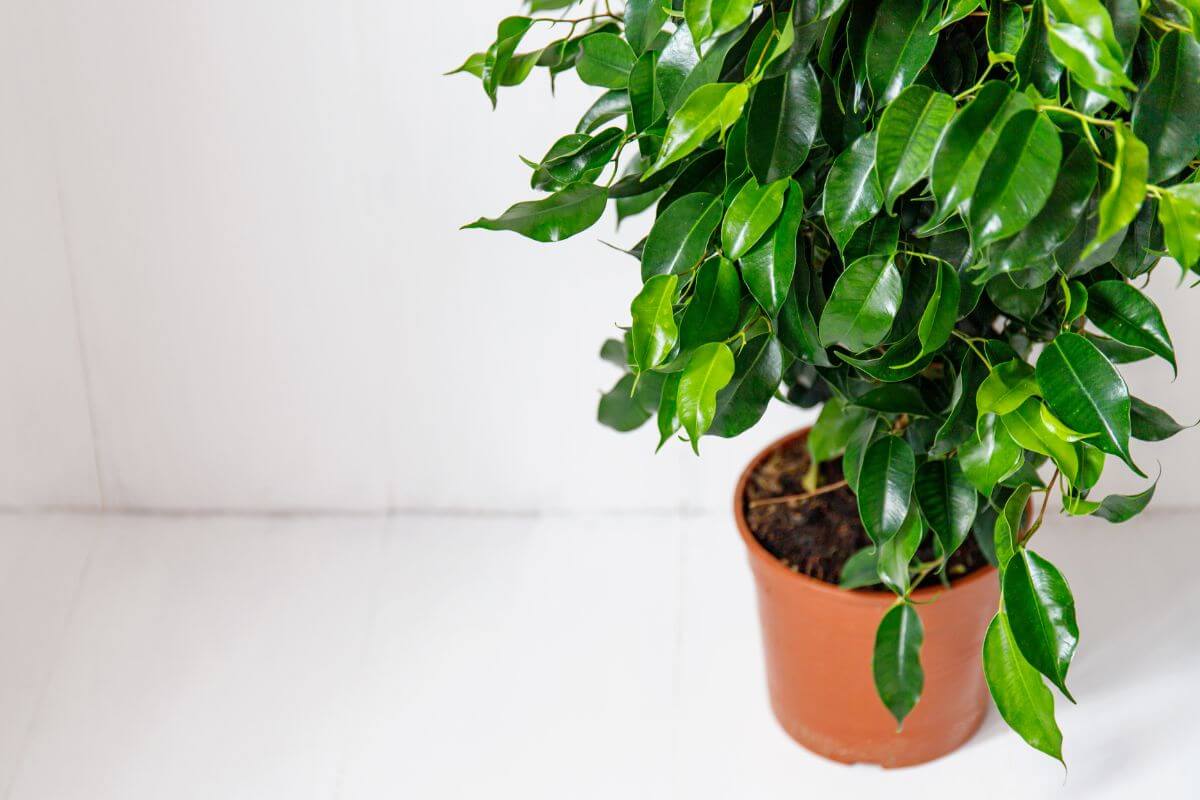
{"points": [[819, 641]]}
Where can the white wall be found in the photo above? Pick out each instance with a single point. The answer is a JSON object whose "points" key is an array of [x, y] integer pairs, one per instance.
{"points": [[231, 276]]}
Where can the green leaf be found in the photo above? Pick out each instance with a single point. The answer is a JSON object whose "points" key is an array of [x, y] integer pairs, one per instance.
{"points": [[708, 18], [1150, 423], [782, 123], [712, 313], [1006, 387], [709, 110], [645, 102], [897, 553], [1116, 352], [644, 20], [1020, 695], [909, 131], [707, 372], [668, 409], [810, 11], [900, 44], [551, 219], [1126, 188], [859, 570], [1081, 36], [1029, 429], [1036, 65], [798, 317], [609, 106], [966, 145], [856, 449], [509, 33], [1124, 507], [1041, 612], [833, 429], [955, 11], [1017, 179], [1087, 393], [654, 333], [742, 403], [753, 210], [1179, 212], [576, 157], [948, 503], [960, 422], [899, 678], [990, 455], [619, 409], [1165, 111], [679, 238], [852, 193], [863, 304], [937, 321], [1128, 316], [1009, 524], [768, 268], [678, 60], [605, 59], [1005, 28], [885, 487]]}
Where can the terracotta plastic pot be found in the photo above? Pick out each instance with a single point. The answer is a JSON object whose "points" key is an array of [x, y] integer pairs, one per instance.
{"points": [[819, 640]]}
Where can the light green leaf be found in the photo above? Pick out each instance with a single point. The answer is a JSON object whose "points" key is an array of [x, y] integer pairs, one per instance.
{"points": [[990, 455], [859, 570], [605, 59], [1029, 429], [757, 372], [654, 333], [863, 304], [896, 554], [708, 18], [909, 131], [885, 487], [753, 210], [551, 219], [832, 431], [1041, 612], [1006, 387], [1126, 188], [852, 193], [1081, 37], [708, 111], [1009, 526], [1179, 212], [707, 372], [899, 678], [1020, 695]]}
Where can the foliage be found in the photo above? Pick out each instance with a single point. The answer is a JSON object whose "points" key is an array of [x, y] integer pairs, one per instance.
{"points": [[930, 214]]}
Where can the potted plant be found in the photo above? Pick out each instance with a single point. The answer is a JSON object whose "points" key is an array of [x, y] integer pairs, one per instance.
{"points": [[930, 216]]}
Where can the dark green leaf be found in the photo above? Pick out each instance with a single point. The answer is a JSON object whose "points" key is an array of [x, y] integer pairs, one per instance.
{"points": [[644, 20], [899, 678], [1036, 65], [741, 404], [948, 503], [509, 33], [1041, 612], [707, 372], [680, 235], [900, 45], [798, 318], [619, 409], [1081, 36], [863, 304], [782, 123], [768, 268], [576, 157], [753, 210], [1128, 316], [646, 105], [559, 216], [675, 63], [909, 131], [1009, 526], [896, 554], [1005, 28], [1165, 111], [1124, 507], [668, 410], [609, 106], [1021, 697], [859, 570], [712, 313], [852, 193], [1150, 423], [885, 487], [1017, 178]]}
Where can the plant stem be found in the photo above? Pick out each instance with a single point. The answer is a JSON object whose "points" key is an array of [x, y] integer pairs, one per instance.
{"points": [[1037, 523], [788, 498], [970, 340]]}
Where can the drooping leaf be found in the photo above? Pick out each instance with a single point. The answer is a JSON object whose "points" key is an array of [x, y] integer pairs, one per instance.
{"points": [[753, 210], [1009, 526], [897, 553], [859, 570], [852, 193], [1150, 423], [609, 106], [1028, 428], [1179, 212], [619, 409], [899, 678], [708, 111], [899, 46], [712, 312], [948, 503], [798, 331], [1006, 387], [509, 34], [558, 216], [576, 157], [909, 131], [680, 235], [885, 487], [1081, 37], [1126, 188], [1127, 315], [1087, 393], [1041, 612], [1017, 178], [1020, 695], [990, 455], [833, 429], [654, 332], [668, 409], [1165, 111], [768, 267], [863, 304], [782, 123], [741, 403], [708, 370]]}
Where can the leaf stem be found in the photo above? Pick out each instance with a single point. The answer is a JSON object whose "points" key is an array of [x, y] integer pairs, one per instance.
{"points": [[1037, 523], [970, 341]]}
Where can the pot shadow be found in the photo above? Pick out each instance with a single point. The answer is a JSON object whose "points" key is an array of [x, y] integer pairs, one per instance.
{"points": [[1139, 652]]}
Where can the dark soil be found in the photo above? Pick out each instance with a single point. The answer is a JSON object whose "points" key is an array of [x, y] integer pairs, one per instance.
{"points": [[817, 535]]}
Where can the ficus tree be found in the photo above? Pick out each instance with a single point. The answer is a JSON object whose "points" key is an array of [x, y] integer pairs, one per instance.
{"points": [[932, 216]]}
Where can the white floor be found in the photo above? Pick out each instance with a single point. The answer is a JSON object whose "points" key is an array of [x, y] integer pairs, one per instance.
{"points": [[556, 657]]}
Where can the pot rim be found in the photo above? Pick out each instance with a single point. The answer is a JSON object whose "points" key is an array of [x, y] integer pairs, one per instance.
{"points": [[761, 555]]}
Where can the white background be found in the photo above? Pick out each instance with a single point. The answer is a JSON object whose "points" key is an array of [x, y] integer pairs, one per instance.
{"points": [[231, 276]]}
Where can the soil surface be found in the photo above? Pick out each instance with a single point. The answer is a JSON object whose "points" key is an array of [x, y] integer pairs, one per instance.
{"points": [[817, 535]]}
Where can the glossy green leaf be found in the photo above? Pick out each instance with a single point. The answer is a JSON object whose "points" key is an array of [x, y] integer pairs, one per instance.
{"points": [[668, 409], [1086, 392], [1179, 212], [1029, 429], [1017, 178], [1126, 189], [753, 210], [1081, 37], [782, 122], [605, 59], [937, 321], [707, 18], [859, 570], [1127, 315], [810, 11], [833, 429], [798, 331], [645, 103], [708, 111], [909, 131], [1010, 525], [1005, 28], [1018, 691], [896, 554], [899, 678], [619, 409], [644, 20], [1006, 387], [967, 143], [852, 193], [1124, 507], [990, 455], [948, 503], [611, 105], [676, 62], [712, 312], [741, 404], [1035, 64], [576, 157], [863, 304], [957, 10], [960, 421], [856, 448], [708, 371], [899, 46], [509, 34], [1165, 111], [551, 219], [1150, 423], [885, 487], [654, 332], [768, 267], [680, 236], [1041, 612]]}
